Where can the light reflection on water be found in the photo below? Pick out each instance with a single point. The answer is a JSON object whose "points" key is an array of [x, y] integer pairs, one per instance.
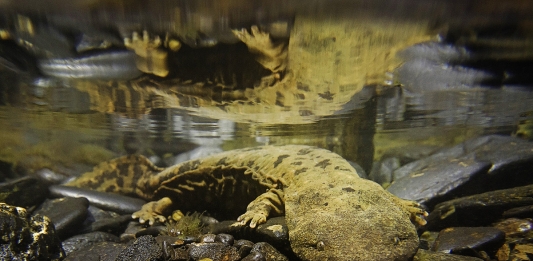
{"points": [[363, 99]]}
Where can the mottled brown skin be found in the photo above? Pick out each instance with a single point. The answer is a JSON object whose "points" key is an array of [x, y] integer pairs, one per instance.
{"points": [[331, 213]]}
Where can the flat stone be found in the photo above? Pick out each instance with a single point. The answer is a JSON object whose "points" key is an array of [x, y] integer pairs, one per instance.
{"points": [[474, 166], [469, 240], [67, 214], [27, 238], [478, 210], [78, 242], [425, 255]]}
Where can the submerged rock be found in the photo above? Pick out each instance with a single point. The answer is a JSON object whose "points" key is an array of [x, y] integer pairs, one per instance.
{"points": [[145, 248], [27, 238], [24, 192], [79, 242], [103, 251], [474, 166], [478, 210], [424, 255], [469, 240], [67, 214]]}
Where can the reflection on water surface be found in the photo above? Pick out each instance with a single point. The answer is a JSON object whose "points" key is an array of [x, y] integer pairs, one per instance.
{"points": [[350, 74]]}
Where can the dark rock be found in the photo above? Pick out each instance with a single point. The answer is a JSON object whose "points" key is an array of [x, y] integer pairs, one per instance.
{"points": [[254, 257], [27, 238], [424, 255], [228, 227], [381, 172], [225, 239], [478, 210], [24, 192], [266, 251], [144, 248], [152, 231], [275, 232], [469, 240], [207, 238], [108, 201], [244, 247], [519, 212], [67, 214], [514, 227], [214, 251], [78, 242], [474, 166], [132, 229], [103, 251], [106, 221]]}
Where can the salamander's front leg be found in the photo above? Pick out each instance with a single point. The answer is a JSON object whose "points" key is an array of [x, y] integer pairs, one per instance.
{"points": [[153, 211], [257, 212]]}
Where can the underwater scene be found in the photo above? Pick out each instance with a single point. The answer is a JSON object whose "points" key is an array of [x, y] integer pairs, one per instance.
{"points": [[225, 130]]}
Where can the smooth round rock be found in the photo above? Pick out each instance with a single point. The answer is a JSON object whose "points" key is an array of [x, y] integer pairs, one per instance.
{"points": [[243, 246], [67, 214], [109, 201], [225, 239]]}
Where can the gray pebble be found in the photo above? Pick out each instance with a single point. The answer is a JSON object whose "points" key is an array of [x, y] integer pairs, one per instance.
{"points": [[225, 239]]}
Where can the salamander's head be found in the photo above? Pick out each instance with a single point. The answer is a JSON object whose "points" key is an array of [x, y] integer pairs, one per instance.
{"points": [[352, 236]]}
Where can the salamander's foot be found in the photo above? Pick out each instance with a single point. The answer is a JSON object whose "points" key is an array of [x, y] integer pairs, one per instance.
{"points": [[254, 218], [271, 56], [417, 213], [152, 211], [151, 58]]}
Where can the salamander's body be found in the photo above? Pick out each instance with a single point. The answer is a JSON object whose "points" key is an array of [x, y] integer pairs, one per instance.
{"points": [[331, 213]]}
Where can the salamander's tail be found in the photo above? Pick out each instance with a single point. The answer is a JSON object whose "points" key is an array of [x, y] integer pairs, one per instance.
{"points": [[121, 175]]}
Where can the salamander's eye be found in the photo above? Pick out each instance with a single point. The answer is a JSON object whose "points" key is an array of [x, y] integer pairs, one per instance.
{"points": [[320, 246]]}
